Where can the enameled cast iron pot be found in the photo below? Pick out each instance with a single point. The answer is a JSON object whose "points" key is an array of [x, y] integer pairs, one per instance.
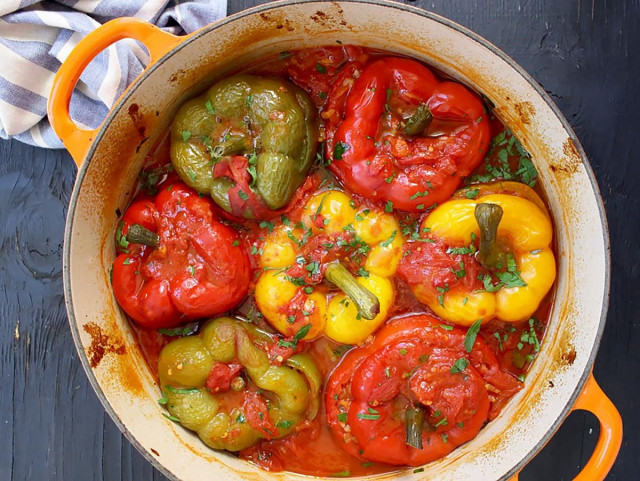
{"points": [[111, 156]]}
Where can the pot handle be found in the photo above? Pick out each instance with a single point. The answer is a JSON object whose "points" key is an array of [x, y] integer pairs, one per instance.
{"points": [[594, 400], [75, 139]]}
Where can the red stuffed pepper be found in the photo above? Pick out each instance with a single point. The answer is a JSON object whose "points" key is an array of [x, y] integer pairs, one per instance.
{"points": [[177, 261], [398, 134], [416, 392]]}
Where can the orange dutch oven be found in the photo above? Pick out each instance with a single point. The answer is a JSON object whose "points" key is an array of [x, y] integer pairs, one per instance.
{"points": [[110, 157]]}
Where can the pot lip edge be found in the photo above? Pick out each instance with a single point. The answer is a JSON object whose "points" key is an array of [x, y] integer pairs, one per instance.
{"points": [[384, 3]]}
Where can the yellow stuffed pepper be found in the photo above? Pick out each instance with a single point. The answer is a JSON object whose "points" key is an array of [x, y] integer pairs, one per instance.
{"points": [[483, 255], [330, 271]]}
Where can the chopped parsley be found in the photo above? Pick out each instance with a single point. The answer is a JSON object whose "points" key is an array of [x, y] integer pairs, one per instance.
{"points": [[341, 474], [268, 225], [460, 272], [313, 267], [442, 422], [368, 417], [442, 291], [362, 272], [186, 135], [419, 194], [171, 417], [472, 193], [209, 107], [180, 331], [339, 150], [389, 240], [189, 390], [530, 336], [254, 175], [302, 332], [121, 239], [503, 152], [284, 424], [459, 365], [472, 333]]}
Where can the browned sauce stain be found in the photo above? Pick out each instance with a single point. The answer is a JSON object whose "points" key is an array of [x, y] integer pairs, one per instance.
{"points": [[571, 161], [325, 20], [279, 22], [569, 357], [320, 17], [525, 111], [137, 119], [176, 75], [155, 452], [101, 344]]}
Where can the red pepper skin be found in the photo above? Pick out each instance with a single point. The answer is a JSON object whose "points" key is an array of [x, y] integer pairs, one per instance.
{"points": [[315, 69], [412, 357], [380, 161], [196, 271]]}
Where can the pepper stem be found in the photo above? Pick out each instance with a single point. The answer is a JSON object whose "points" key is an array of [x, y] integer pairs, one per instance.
{"points": [[414, 421], [234, 144], [141, 235], [419, 121], [488, 217], [366, 302]]}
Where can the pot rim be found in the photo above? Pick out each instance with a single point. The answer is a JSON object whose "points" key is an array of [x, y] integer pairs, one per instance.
{"points": [[385, 3]]}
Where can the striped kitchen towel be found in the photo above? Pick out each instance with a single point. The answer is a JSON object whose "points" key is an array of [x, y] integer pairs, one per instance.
{"points": [[36, 36]]}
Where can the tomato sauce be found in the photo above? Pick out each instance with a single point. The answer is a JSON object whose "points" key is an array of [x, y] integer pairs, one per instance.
{"points": [[313, 449]]}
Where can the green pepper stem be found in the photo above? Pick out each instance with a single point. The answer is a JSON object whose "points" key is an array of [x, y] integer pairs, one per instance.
{"points": [[414, 421], [488, 217], [235, 144], [141, 235], [366, 302], [419, 121]]}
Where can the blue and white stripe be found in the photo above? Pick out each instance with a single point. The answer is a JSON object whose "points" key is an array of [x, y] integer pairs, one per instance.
{"points": [[37, 36]]}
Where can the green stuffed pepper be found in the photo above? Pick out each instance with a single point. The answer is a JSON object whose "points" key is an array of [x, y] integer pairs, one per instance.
{"points": [[248, 142], [222, 384]]}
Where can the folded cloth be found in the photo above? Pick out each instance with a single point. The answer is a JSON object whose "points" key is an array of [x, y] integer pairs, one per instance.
{"points": [[36, 37]]}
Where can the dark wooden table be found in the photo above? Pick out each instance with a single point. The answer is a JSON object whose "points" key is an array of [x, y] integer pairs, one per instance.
{"points": [[584, 53]]}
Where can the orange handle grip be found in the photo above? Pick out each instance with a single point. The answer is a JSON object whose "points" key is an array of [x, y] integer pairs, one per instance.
{"points": [[75, 139], [604, 455], [592, 399]]}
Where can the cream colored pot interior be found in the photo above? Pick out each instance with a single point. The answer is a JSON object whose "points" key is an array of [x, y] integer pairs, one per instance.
{"points": [[113, 361]]}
